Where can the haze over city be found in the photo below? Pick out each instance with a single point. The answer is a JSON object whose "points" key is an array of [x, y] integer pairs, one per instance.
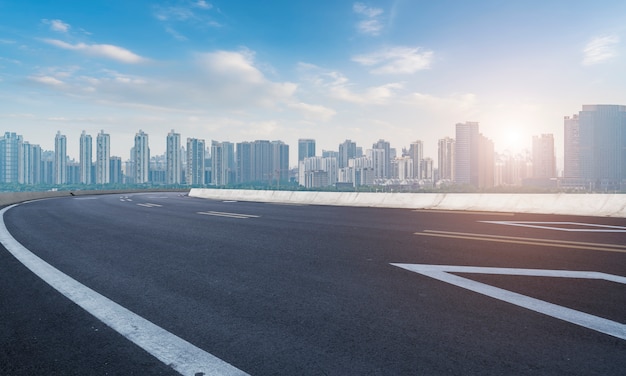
{"points": [[284, 70]]}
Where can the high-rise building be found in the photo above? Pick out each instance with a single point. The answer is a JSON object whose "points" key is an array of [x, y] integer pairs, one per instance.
{"points": [[602, 145], [103, 156], [60, 159], [571, 162], [379, 166], [445, 159], [474, 157], [195, 161], [306, 148], [86, 158], [116, 170], [387, 157], [141, 159], [544, 159], [316, 172], [173, 157], [223, 169], [280, 161], [29, 164], [9, 157], [416, 153], [244, 162], [347, 151]]}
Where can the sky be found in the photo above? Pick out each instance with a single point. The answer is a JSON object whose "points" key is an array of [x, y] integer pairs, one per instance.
{"points": [[331, 70]]}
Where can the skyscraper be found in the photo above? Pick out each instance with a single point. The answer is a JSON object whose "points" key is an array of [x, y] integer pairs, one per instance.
{"points": [[103, 157], [306, 148], [445, 159], [602, 145], [474, 157], [86, 158], [571, 165], [195, 161], [141, 159], [416, 153], [386, 158], [244, 162], [60, 159], [174, 163], [9, 157], [347, 151], [280, 161], [544, 159], [223, 169]]}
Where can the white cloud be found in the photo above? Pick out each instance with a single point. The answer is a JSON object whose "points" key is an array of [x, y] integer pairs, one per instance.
{"points": [[57, 25], [314, 112], [108, 51], [203, 4], [397, 60], [600, 50], [234, 78], [371, 23], [46, 80]]}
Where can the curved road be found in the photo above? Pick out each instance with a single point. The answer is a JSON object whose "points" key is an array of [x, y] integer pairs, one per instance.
{"points": [[314, 290]]}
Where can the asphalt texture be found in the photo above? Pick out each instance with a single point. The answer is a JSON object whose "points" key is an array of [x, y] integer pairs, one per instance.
{"points": [[302, 290]]}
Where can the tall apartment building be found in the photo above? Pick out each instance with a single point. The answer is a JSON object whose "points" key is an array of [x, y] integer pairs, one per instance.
{"points": [[280, 161], [29, 164], [544, 158], [474, 157], [141, 159], [60, 159], [306, 148], [347, 151], [602, 145], [223, 167], [571, 162], [85, 158], [115, 164], [317, 172], [416, 153], [103, 157], [386, 158], [173, 157], [9, 157], [195, 161], [445, 158]]}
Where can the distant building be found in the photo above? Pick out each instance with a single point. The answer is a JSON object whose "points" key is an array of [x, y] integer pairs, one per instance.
{"points": [[9, 157], [306, 148], [115, 164], [195, 161], [60, 159], [387, 156], [223, 169], [140, 159], [416, 153], [173, 157], [474, 157], [347, 151], [103, 157], [86, 158], [544, 159], [571, 131], [446, 159], [602, 145], [317, 172]]}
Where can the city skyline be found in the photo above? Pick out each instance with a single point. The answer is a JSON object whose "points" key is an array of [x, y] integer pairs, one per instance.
{"points": [[283, 70]]}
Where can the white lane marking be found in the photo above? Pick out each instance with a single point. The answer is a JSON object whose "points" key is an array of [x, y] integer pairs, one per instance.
{"points": [[86, 198], [442, 273], [229, 215], [173, 351], [558, 226], [149, 205], [229, 201]]}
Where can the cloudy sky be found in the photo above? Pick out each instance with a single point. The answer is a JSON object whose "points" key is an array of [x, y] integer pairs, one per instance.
{"points": [[242, 70]]}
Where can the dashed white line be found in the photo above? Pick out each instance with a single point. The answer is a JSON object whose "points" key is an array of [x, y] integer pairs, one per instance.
{"points": [[562, 226], [173, 351], [442, 273], [149, 205]]}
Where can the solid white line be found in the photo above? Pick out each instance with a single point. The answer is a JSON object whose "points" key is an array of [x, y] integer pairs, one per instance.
{"points": [[229, 215], [441, 272], [542, 225], [174, 351]]}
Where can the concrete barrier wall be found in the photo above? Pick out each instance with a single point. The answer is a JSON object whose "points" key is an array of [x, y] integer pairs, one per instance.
{"points": [[605, 205]]}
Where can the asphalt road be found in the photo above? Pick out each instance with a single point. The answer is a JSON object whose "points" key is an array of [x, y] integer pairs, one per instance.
{"points": [[308, 290]]}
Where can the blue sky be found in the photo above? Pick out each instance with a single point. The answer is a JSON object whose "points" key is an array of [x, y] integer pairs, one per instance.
{"points": [[237, 70]]}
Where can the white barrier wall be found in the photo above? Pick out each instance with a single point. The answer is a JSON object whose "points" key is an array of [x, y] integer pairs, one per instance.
{"points": [[606, 205]]}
